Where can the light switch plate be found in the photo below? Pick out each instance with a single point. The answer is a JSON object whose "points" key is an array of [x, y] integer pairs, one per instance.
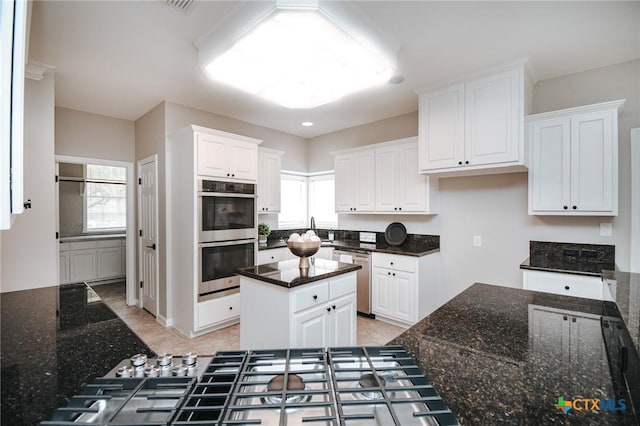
{"points": [[606, 229], [368, 237]]}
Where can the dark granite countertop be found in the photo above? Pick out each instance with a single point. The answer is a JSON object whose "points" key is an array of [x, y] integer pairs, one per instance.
{"points": [[287, 273], [406, 249], [570, 258], [55, 339], [625, 290], [504, 356]]}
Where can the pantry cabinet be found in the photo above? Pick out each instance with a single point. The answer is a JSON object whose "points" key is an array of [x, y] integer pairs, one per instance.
{"points": [[269, 163], [318, 314], [404, 288], [475, 126], [574, 161], [355, 180], [383, 178], [399, 186], [226, 155]]}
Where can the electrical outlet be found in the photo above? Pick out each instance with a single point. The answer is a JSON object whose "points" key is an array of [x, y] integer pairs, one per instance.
{"points": [[606, 229], [477, 241]]}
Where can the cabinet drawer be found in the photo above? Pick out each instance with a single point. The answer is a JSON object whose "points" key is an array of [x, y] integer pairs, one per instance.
{"points": [[82, 245], [564, 284], [342, 285], [310, 295], [217, 310], [394, 261], [110, 243]]}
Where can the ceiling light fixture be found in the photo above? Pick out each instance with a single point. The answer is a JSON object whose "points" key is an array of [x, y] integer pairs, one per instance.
{"points": [[307, 123], [298, 57]]}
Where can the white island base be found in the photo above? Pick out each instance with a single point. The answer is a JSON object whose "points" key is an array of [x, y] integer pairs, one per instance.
{"points": [[318, 314]]}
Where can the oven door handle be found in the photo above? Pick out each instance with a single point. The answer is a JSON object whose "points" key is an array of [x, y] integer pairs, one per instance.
{"points": [[225, 195], [227, 243]]}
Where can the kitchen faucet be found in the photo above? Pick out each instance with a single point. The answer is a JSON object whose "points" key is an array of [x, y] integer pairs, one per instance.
{"points": [[313, 224]]}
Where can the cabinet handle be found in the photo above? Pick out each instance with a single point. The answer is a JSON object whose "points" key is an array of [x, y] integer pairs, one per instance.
{"points": [[565, 207], [460, 163], [315, 297], [391, 263], [564, 317], [334, 307], [395, 208], [328, 309], [399, 208], [388, 273], [231, 308], [575, 207], [573, 319], [394, 274], [228, 174], [266, 208], [466, 162], [566, 287], [272, 257]]}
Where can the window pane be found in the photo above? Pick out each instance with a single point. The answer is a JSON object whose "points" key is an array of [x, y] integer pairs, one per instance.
{"points": [[293, 207], [322, 200], [106, 206], [95, 171]]}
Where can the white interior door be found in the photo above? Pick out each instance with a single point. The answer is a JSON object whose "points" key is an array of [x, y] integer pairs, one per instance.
{"points": [[148, 233]]}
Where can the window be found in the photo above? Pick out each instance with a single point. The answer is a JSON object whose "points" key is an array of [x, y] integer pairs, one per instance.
{"points": [[105, 201], [293, 199], [322, 200], [305, 196]]}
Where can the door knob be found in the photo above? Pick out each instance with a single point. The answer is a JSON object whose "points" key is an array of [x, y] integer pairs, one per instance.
{"points": [[152, 246]]}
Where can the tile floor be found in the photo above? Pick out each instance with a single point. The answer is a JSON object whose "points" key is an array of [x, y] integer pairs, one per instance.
{"points": [[168, 340]]}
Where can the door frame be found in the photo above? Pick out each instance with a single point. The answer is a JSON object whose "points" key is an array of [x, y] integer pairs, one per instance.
{"points": [[634, 265], [131, 225], [150, 159]]}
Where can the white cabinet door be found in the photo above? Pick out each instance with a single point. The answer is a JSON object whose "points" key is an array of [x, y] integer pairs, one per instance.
{"points": [[403, 293], [343, 325], [272, 255], [442, 128], [355, 182], [592, 171], [268, 182], [387, 179], [244, 157], [311, 328], [212, 312], [82, 265], [550, 158], [411, 190], [381, 292], [109, 262], [212, 155], [492, 117], [64, 267]]}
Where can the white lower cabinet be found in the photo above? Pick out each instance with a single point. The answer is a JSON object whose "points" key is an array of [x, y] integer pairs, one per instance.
{"points": [[109, 262], [92, 260], [272, 255], [82, 264], [404, 288], [317, 314], [64, 267], [219, 311], [589, 287]]}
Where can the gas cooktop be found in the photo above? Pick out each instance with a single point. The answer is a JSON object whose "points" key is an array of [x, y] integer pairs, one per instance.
{"points": [[332, 386]]}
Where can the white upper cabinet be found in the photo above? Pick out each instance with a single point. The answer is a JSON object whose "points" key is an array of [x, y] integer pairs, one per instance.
{"points": [[400, 188], [574, 161], [269, 163], [475, 126], [384, 178], [354, 177], [225, 155]]}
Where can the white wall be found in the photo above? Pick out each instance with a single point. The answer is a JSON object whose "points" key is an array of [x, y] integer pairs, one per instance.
{"points": [[495, 207], [29, 252], [82, 134]]}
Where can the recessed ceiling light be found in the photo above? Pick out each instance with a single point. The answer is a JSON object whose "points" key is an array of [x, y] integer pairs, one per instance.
{"points": [[299, 59], [307, 123]]}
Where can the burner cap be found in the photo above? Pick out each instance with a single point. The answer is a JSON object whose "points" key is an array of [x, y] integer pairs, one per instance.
{"points": [[138, 360], [295, 383], [369, 381]]}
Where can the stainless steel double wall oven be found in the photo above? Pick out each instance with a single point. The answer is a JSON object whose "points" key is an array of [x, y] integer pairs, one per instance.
{"points": [[227, 235]]}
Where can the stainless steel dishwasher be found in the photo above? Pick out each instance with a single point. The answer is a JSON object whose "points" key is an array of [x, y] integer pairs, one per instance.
{"points": [[363, 291]]}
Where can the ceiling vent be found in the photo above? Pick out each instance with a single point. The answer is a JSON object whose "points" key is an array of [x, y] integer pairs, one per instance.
{"points": [[180, 4]]}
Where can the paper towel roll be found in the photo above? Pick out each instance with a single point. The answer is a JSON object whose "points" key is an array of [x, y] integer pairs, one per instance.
{"points": [[346, 258]]}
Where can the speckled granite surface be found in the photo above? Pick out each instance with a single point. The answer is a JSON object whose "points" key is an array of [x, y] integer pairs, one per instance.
{"points": [[580, 259], [53, 340], [503, 356], [415, 245], [288, 274]]}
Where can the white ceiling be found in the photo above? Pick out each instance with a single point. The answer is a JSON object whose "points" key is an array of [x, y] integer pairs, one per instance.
{"points": [[122, 58]]}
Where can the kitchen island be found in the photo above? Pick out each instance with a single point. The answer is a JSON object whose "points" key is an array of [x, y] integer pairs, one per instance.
{"points": [[507, 356], [285, 306]]}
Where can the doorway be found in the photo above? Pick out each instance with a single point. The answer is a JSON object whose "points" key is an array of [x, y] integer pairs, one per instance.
{"points": [[93, 213], [148, 233]]}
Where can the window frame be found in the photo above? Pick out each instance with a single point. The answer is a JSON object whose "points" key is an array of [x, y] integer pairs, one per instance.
{"points": [[301, 177], [321, 176], [85, 206]]}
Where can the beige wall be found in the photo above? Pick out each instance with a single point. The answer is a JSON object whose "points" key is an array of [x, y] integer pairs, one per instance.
{"points": [[495, 207], [320, 159], [82, 134], [295, 147], [29, 251]]}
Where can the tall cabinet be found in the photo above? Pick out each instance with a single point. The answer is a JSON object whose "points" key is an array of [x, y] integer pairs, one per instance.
{"points": [[574, 161], [269, 164], [195, 152]]}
